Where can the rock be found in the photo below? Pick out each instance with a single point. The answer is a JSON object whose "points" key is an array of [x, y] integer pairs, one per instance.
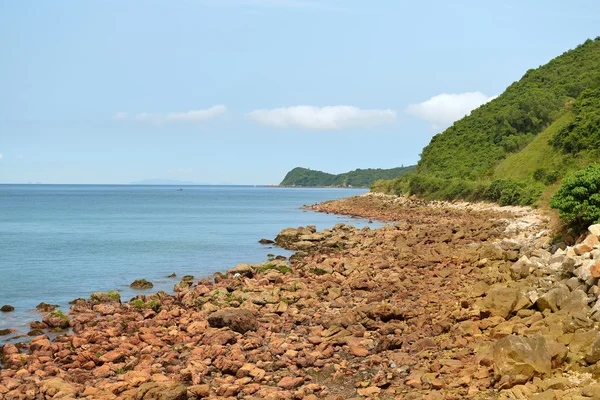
{"points": [[521, 268], [173, 275], [4, 332], [288, 383], [7, 308], [501, 301], [589, 244], [266, 241], [56, 319], [593, 355], [594, 230], [575, 301], [57, 388], [521, 356], [200, 391], [242, 269], [141, 284], [237, 320], [552, 299], [44, 307], [185, 283], [162, 391], [105, 297]]}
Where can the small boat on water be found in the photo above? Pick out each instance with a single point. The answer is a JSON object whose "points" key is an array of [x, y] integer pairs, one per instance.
{"points": [[180, 189]]}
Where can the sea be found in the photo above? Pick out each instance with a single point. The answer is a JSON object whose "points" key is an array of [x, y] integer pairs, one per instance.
{"points": [[62, 242]]}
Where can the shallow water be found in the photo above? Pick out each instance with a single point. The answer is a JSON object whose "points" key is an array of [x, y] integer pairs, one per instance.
{"points": [[61, 242]]}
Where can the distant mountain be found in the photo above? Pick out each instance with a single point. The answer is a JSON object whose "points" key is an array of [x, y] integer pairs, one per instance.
{"points": [[357, 178], [165, 182]]}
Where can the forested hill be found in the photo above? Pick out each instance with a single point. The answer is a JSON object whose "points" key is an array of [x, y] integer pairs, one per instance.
{"points": [[513, 148], [357, 178], [476, 144]]}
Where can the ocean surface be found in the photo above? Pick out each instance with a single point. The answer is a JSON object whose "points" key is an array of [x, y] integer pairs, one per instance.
{"points": [[62, 242]]}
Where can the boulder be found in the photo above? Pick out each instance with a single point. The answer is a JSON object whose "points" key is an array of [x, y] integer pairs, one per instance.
{"points": [[141, 284], [521, 268], [521, 357], [44, 307], [56, 319], [501, 301], [7, 308], [576, 301], [242, 269], [236, 319], [105, 297], [266, 241], [552, 299], [162, 391], [593, 355], [594, 230]]}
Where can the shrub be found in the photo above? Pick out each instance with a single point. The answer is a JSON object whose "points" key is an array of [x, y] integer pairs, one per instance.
{"points": [[578, 198]]}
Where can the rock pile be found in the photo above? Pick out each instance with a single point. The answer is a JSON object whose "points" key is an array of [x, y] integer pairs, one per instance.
{"points": [[448, 303]]}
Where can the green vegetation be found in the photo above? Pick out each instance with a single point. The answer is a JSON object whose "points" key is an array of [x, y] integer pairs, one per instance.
{"points": [[541, 129], [60, 315], [578, 198], [284, 269], [357, 178]]}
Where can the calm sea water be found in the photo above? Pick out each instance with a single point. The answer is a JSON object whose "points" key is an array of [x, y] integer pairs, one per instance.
{"points": [[61, 242]]}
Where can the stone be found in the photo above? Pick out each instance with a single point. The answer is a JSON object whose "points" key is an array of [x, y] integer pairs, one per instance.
{"points": [[577, 300], [589, 244], [105, 297], [141, 284], [288, 383], [266, 241], [200, 391], [7, 308], [56, 319], [593, 355], [594, 230], [521, 268], [501, 301], [517, 355], [162, 391], [44, 307], [237, 320], [552, 299], [242, 269]]}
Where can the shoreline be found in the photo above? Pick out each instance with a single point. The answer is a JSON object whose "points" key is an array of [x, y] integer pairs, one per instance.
{"points": [[402, 310]]}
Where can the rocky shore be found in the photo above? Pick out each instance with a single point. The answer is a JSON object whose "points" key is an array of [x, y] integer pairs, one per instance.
{"points": [[451, 301]]}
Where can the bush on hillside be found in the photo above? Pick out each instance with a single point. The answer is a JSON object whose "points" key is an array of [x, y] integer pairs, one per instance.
{"points": [[584, 132], [578, 198]]}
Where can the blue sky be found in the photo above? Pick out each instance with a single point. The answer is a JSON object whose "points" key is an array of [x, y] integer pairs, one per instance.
{"points": [[241, 91]]}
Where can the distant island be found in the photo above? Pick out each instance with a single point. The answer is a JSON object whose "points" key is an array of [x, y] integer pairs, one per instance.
{"points": [[306, 177], [165, 182]]}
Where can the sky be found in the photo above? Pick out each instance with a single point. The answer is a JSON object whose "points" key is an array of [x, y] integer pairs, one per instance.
{"points": [[242, 91]]}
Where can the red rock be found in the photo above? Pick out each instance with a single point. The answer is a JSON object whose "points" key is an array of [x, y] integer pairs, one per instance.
{"points": [[289, 383]]}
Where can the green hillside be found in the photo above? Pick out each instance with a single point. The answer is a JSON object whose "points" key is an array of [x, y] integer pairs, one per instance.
{"points": [[357, 178], [541, 128]]}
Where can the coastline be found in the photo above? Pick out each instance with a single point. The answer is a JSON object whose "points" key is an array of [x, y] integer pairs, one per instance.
{"points": [[400, 311]]}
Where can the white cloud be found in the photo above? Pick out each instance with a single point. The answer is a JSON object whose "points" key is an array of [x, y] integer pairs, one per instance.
{"points": [[174, 117], [180, 171], [322, 118], [120, 116], [442, 110]]}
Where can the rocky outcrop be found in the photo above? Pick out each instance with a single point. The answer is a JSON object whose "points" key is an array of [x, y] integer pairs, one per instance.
{"points": [[141, 284], [7, 308]]}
